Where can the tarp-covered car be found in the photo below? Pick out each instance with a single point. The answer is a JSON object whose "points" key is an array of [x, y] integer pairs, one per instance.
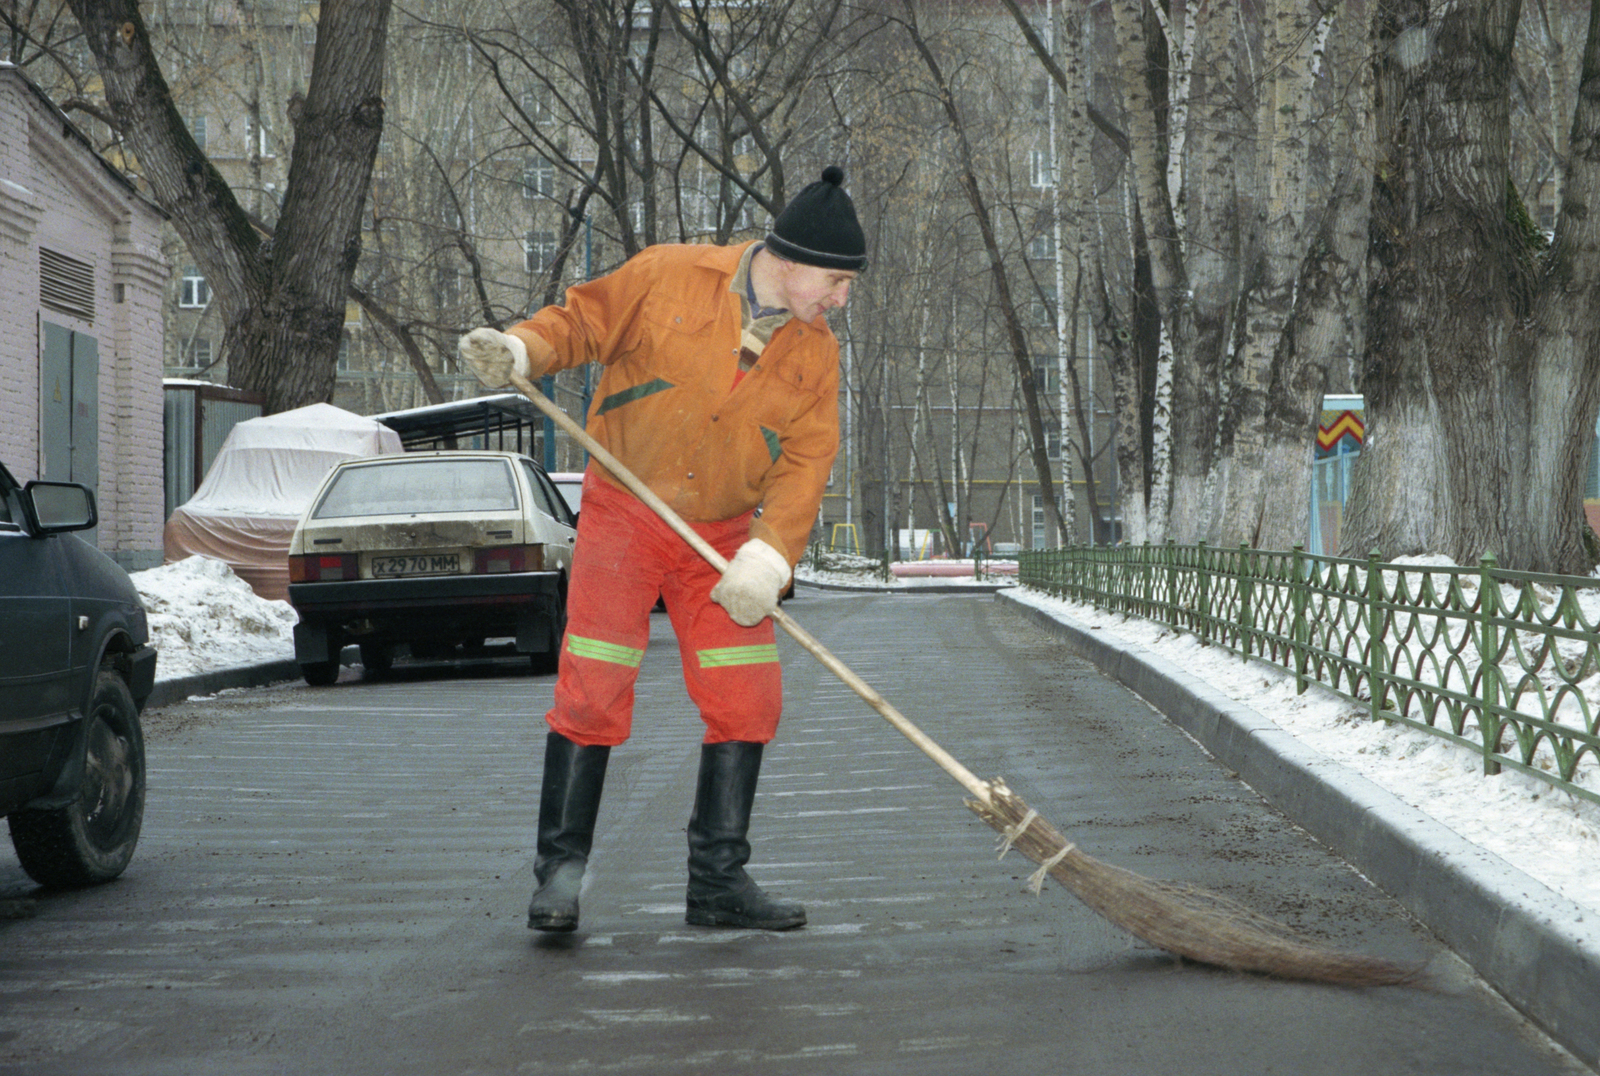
{"points": [[75, 670], [259, 486], [433, 551]]}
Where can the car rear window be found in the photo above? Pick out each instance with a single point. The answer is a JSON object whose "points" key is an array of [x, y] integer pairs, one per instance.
{"points": [[420, 487]]}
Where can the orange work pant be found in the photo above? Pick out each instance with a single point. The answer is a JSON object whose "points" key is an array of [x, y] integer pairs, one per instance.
{"points": [[623, 558]]}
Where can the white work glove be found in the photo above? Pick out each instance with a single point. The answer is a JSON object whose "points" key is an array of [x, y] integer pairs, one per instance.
{"points": [[493, 356], [749, 588]]}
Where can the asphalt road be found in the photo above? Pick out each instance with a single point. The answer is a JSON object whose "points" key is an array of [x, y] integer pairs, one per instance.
{"points": [[334, 881]]}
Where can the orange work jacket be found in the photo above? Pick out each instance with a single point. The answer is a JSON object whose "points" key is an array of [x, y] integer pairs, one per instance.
{"points": [[667, 330]]}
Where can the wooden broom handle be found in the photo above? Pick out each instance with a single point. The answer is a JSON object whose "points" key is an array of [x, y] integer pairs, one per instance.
{"points": [[945, 760]]}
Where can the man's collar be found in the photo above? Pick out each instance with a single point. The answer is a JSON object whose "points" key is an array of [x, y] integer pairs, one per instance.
{"points": [[757, 311]]}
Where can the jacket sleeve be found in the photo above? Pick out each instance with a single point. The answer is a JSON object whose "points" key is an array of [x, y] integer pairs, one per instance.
{"points": [[597, 323], [792, 489]]}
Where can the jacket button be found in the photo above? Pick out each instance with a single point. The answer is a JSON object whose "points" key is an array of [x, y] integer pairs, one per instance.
{"points": [[678, 320], [691, 474], [715, 417]]}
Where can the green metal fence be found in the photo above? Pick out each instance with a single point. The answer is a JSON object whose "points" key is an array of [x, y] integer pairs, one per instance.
{"points": [[1504, 663]]}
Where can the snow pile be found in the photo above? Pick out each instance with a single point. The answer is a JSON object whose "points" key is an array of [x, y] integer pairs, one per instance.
{"points": [[203, 618], [1542, 831], [851, 570]]}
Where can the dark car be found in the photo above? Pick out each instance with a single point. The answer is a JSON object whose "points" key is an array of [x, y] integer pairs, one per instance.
{"points": [[75, 670], [436, 552]]}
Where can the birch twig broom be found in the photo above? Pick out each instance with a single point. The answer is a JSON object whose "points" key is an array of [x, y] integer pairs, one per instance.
{"points": [[1184, 920]]}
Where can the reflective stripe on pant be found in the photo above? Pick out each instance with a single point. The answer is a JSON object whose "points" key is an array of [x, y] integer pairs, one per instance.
{"points": [[624, 557]]}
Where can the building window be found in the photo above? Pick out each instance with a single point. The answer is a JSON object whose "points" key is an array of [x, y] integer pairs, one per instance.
{"points": [[197, 353], [1039, 539], [538, 178], [1042, 247], [1044, 307], [194, 293], [344, 353], [262, 146], [447, 289], [1047, 373], [197, 128], [539, 251], [536, 104], [1041, 171]]}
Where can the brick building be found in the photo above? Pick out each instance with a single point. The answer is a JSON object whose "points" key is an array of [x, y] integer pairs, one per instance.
{"points": [[81, 327]]}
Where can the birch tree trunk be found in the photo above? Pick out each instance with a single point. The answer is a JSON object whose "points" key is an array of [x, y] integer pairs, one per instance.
{"points": [[1329, 317], [1221, 147], [1565, 393], [1138, 58], [1278, 201]]}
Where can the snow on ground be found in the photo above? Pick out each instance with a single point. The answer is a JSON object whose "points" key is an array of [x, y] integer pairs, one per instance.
{"points": [[1548, 834], [845, 570], [203, 618]]}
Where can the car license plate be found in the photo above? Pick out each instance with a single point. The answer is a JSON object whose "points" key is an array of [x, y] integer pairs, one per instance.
{"points": [[420, 564]]}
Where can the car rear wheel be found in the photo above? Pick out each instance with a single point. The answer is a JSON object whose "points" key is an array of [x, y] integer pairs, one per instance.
{"points": [[91, 839], [547, 663], [324, 673], [320, 673], [376, 658]]}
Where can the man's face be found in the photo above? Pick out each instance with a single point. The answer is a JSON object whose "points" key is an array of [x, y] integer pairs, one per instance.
{"points": [[809, 291]]}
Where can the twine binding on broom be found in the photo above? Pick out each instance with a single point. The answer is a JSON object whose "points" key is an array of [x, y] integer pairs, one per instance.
{"points": [[1184, 920]]}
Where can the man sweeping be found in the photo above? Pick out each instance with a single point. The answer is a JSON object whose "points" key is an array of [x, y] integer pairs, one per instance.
{"points": [[720, 392]]}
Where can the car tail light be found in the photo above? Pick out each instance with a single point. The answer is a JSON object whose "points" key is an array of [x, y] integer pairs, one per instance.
{"points": [[508, 558], [324, 567]]}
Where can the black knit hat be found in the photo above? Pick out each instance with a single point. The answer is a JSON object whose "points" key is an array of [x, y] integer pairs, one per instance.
{"points": [[819, 226]]}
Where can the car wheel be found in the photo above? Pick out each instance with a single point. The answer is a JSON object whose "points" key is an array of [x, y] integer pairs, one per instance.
{"points": [[324, 673], [547, 663], [320, 673], [92, 838], [376, 658]]}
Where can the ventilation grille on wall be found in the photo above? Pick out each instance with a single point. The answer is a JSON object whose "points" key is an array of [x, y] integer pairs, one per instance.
{"points": [[66, 284]]}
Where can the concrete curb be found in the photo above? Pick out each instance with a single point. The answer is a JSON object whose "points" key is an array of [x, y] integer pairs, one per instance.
{"points": [[1532, 945], [179, 688], [932, 588]]}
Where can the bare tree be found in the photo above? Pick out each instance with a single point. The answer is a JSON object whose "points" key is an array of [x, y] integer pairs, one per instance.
{"points": [[982, 214], [282, 300]]}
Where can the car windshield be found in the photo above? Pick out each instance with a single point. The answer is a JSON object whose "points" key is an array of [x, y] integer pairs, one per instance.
{"points": [[420, 487]]}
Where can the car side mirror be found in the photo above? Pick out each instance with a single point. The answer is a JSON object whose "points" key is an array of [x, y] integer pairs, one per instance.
{"points": [[55, 507]]}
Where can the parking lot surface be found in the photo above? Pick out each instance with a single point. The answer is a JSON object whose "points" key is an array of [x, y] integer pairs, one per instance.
{"points": [[333, 880]]}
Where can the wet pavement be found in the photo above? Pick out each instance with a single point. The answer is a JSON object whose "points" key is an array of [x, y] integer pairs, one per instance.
{"points": [[333, 880]]}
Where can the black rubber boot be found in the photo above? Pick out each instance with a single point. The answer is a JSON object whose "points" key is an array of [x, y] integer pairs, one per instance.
{"points": [[720, 893], [568, 804]]}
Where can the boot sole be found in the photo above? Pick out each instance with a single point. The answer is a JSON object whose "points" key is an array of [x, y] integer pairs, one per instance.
{"points": [[556, 926], [696, 917]]}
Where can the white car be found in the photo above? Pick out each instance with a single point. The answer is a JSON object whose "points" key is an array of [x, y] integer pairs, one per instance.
{"points": [[432, 551], [570, 483]]}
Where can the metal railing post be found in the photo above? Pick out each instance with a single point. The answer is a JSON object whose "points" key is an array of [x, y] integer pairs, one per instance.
{"points": [[1489, 693], [1299, 628], [1377, 653], [1247, 632]]}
